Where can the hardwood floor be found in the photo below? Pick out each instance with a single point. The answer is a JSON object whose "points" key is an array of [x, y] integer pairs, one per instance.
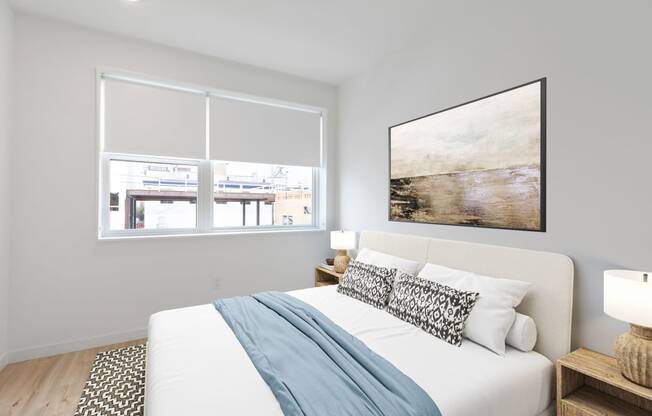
{"points": [[48, 386]]}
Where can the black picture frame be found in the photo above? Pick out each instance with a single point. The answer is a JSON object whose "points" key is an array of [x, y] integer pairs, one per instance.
{"points": [[542, 166]]}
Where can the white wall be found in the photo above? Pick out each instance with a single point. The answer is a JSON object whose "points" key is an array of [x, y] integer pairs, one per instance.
{"points": [[596, 57], [70, 290], [6, 43]]}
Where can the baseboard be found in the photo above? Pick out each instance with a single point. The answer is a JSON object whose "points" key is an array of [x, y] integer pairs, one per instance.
{"points": [[4, 360], [551, 410], [74, 345]]}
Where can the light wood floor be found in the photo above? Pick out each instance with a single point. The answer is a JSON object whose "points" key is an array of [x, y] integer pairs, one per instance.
{"points": [[48, 386]]}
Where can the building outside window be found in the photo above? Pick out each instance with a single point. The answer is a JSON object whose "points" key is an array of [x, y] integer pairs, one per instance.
{"points": [[253, 194], [153, 195]]}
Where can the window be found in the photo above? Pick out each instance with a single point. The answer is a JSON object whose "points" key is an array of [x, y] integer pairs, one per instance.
{"points": [[192, 160], [256, 194], [153, 195]]}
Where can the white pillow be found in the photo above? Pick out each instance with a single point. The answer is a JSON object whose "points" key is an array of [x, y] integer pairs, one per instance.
{"points": [[489, 322], [523, 334], [386, 260], [514, 289], [493, 314]]}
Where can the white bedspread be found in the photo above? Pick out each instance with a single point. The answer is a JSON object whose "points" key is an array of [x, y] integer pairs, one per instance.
{"points": [[196, 366]]}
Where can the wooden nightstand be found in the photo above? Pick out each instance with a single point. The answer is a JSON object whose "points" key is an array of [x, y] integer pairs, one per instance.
{"points": [[325, 277], [590, 384]]}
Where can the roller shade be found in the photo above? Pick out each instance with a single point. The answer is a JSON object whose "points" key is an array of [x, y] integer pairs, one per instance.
{"points": [[243, 131], [156, 121]]}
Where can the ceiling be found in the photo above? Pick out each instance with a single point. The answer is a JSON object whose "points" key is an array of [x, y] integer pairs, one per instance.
{"points": [[329, 40], [326, 40]]}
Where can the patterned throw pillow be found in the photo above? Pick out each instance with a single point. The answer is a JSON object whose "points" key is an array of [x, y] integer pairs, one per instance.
{"points": [[437, 309], [368, 283]]}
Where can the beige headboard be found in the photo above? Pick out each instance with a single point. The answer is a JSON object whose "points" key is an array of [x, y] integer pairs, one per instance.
{"points": [[549, 301]]}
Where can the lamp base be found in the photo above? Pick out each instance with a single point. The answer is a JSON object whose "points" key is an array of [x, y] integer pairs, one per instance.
{"points": [[634, 355], [341, 261]]}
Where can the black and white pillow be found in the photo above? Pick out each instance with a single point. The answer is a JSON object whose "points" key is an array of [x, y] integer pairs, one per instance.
{"points": [[368, 283], [437, 309]]}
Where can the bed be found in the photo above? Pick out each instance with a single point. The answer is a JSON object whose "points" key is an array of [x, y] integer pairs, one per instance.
{"points": [[195, 364]]}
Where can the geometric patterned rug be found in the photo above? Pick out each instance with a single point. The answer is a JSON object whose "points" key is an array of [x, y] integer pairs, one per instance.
{"points": [[116, 384]]}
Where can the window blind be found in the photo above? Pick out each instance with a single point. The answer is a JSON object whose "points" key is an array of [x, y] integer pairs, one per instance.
{"points": [[244, 131], [156, 121]]}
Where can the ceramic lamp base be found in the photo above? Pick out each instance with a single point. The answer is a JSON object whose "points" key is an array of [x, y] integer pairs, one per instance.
{"points": [[634, 355], [341, 261]]}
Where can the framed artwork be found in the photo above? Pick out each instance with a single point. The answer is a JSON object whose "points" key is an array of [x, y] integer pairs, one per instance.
{"points": [[480, 164]]}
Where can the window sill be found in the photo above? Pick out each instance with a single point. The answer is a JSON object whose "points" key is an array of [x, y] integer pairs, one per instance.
{"points": [[225, 232]]}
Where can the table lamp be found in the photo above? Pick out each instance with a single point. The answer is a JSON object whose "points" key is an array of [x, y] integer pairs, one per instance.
{"points": [[628, 297], [342, 241]]}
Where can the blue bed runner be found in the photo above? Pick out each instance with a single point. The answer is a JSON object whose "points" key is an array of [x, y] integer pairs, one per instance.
{"points": [[313, 366]]}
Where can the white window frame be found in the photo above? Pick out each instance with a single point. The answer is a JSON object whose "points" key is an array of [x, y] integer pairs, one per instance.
{"points": [[205, 177]]}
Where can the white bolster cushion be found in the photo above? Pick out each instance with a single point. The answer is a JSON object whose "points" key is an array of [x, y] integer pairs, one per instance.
{"points": [[523, 333]]}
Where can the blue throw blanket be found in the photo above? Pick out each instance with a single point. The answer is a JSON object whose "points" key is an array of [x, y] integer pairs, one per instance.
{"points": [[313, 366]]}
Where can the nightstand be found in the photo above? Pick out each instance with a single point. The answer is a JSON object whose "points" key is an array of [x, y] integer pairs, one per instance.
{"points": [[325, 277], [590, 384]]}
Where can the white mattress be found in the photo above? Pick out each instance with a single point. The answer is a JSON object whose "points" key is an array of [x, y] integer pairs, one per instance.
{"points": [[196, 366]]}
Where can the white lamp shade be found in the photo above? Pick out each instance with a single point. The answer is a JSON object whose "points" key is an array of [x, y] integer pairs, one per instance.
{"points": [[342, 240], [628, 297]]}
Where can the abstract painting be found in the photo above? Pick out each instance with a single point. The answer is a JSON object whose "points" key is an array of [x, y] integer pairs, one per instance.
{"points": [[481, 163]]}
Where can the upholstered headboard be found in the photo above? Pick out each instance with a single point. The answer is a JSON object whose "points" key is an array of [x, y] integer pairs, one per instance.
{"points": [[550, 298]]}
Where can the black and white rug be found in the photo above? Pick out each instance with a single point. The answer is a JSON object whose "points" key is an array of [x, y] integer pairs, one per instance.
{"points": [[116, 384]]}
